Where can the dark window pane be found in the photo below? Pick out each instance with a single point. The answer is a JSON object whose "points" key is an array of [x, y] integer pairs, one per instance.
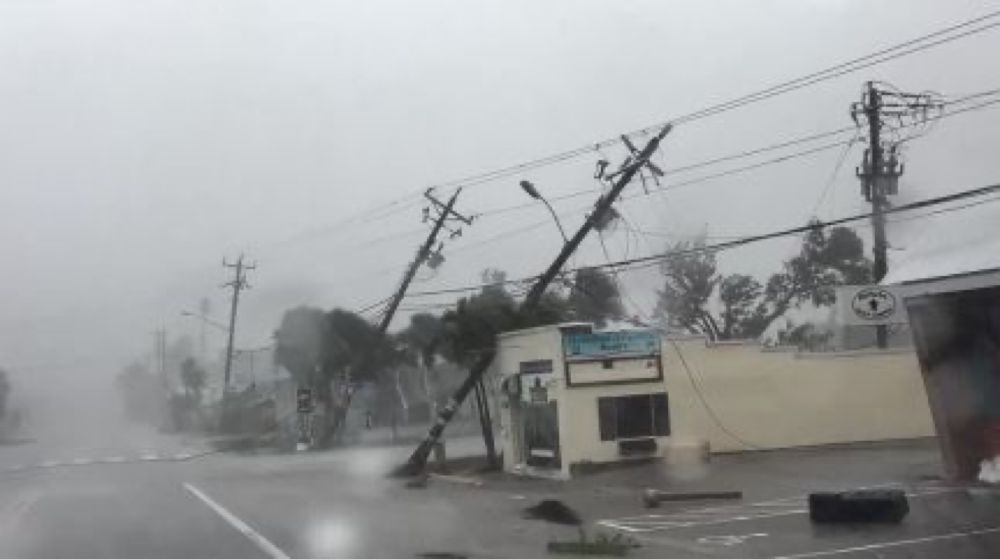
{"points": [[607, 414], [661, 415], [635, 416]]}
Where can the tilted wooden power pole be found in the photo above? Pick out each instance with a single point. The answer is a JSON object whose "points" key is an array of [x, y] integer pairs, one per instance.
{"points": [[418, 459]]}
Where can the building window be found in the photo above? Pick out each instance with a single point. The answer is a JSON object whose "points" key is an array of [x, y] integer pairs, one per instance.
{"points": [[607, 364], [629, 417]]}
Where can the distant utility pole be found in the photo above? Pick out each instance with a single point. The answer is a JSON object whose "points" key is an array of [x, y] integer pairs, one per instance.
{"points": [[160, 352], [880, 174], [238, 283], [418, 459]]}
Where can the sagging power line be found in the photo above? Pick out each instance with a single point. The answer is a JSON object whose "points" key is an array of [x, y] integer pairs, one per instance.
{"points": [[656, 259]]}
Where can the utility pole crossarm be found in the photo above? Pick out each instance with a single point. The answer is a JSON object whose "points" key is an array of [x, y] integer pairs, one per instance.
{"points": [[604, 203], [422, 253]]}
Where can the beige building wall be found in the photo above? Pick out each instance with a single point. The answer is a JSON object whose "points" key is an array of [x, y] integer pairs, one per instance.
{"points": [[764, 398], [779, 399], [581, 439]]}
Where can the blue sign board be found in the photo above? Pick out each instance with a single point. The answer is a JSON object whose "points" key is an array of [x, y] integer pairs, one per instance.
{"points": [[608, 344]]}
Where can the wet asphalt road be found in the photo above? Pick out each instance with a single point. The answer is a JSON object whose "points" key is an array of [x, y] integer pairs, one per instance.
{"points": [[340, 505]]}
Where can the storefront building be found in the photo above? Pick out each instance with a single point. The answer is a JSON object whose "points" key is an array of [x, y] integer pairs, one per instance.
{"points": [[572, 397]]}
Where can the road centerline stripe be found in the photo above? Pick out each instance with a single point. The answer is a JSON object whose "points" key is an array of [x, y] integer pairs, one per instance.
{"points": [[260, 541]]}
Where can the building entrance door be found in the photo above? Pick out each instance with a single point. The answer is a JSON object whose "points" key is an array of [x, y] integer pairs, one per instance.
{"points": [[541, 435]]}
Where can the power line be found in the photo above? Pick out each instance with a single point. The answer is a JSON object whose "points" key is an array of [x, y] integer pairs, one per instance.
{"points": [[704, 402], [878, 57], [646, 261], [706, 178], [893, 52]]}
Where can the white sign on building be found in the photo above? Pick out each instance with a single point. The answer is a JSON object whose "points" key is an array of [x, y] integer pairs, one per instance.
{"points": [[859, 305]]}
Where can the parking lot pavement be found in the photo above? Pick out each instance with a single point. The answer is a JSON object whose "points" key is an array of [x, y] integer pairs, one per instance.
{"points": [[941, 517], [772, 520]]}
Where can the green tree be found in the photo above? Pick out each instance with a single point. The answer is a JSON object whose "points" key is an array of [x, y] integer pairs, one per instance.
{"points": [[472, 326], [300, 343], [594, 297], [690, 279], [422, 338], [741, 315], [693, 286]]}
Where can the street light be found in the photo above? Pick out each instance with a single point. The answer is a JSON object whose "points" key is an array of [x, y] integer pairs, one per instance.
{"points": [[534, 193], [206, 320]]}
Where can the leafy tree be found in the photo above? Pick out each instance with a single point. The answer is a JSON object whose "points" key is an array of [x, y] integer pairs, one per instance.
{"points": [[825, 260], [471, 328], [354, 343], [594, 297], [321, 350], [741, 314], [301, 343], [690, 280], [193, 377], [421, 339]]}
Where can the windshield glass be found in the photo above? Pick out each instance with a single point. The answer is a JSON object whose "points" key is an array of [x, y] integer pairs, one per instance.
{"points": [[499, 279]]}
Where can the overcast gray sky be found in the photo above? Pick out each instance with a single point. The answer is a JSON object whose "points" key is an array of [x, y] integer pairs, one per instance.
{"points": [[143, 141]]}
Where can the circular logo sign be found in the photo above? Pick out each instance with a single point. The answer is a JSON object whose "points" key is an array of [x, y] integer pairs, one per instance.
{"points": [[873, 303]]}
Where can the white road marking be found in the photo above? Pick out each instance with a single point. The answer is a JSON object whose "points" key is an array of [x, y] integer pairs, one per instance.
{"points": [[710, 516], [729, 540], [883, 545], [50, 464], [653, 526], [81, 461], [114, 459], [183, 456], [263, 543]]}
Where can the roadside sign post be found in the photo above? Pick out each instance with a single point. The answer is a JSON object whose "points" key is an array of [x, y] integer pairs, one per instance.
{"points": [[304, 406]]}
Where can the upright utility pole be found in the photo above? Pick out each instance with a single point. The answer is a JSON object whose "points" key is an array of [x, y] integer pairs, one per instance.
{"points": [[238, 283], [880, 174], [418, 459], [160, 352]]}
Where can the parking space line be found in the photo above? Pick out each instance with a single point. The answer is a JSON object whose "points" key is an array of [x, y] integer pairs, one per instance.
{"points": [[710, 516], [260, 541], [897, 543]]}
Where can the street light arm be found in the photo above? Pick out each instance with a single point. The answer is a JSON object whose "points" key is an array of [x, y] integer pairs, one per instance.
{"points": [[530, 190], [556, 218], [206, 320]]}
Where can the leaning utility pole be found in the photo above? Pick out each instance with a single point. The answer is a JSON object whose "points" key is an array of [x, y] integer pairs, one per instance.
{"points": [[238, 283], [445, 213], [880, 174], [426, 253], [418, 459]]}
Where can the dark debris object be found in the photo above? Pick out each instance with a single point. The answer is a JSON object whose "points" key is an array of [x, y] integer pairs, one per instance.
{"points": [[553, 510]]}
